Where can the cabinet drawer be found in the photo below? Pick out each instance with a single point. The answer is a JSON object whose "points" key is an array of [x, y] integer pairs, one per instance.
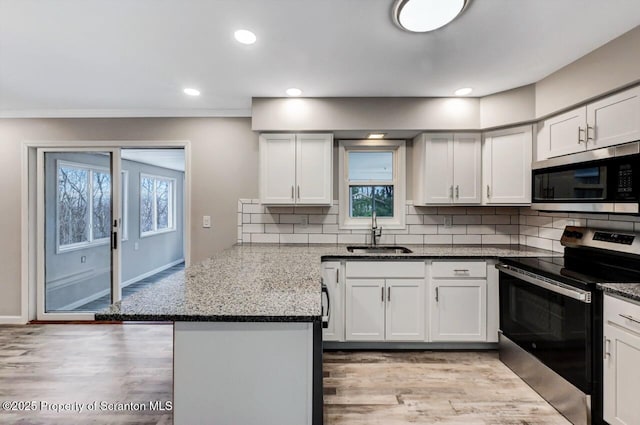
{"points": [[458, 269], [382, 269], [615, 309]]}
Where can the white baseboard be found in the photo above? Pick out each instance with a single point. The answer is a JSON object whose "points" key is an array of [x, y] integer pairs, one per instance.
{"points": [[101, 294], [12, 320], [151, 273]]}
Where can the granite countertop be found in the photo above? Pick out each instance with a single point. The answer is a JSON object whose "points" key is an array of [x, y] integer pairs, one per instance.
{"points": [[267, 283], [630, 291]]}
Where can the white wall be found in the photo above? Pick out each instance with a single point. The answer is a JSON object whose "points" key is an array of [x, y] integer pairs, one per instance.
{"points": [[224, 169], [606, 69]]}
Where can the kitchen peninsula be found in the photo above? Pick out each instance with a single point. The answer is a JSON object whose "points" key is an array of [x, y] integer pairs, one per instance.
{"points": [[247, 329]]}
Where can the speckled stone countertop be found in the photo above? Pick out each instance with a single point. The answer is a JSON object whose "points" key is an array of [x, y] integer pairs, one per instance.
{"points": [[630, 291], [277, 283]]}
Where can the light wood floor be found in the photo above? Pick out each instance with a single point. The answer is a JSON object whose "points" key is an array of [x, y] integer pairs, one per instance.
{"points": [[133, 363]]}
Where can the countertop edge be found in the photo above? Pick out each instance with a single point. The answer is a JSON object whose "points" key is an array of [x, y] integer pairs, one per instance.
{"points": [[621, 291], [120, 317]]}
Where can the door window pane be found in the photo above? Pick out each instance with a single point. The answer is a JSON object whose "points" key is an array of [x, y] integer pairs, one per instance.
{"points": [[370, 166], [101, 205], [73, 205]]}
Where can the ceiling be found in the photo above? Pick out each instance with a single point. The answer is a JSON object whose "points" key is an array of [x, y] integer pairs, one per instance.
{"points": [[133, 58]]}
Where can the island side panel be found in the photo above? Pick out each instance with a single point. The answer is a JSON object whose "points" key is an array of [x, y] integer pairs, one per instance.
{"points": [[243, 373]]}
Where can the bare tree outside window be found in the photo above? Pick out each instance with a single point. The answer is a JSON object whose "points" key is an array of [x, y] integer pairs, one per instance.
{"points": [[101, 205], [146, 204], [156, 204], [73, 205]]}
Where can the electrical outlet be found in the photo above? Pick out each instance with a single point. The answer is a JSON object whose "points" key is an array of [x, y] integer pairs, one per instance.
{"points": [[83, 259], [571, 222], [304, 221], [136, 246], [447, 221], [206, 221]]}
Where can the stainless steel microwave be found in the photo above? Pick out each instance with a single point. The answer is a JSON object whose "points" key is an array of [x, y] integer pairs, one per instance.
{"points": [[602, 181]]}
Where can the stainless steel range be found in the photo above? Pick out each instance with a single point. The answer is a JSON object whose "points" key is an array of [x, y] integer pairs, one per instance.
{"points": [[551, 317]]}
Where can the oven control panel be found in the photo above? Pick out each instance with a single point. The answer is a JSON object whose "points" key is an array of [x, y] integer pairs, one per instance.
{"points": [[614, 238], [578, 237]]}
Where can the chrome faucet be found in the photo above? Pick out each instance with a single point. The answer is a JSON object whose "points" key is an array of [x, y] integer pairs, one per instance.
{"points": [[375, 230]]}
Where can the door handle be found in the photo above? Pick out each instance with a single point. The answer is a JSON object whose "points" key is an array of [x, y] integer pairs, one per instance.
{"points": [[488, 192], [389, 294], [607, 345], [437, 297], [326, 318], [457, 192], [628, 317], [114, 240], [298, 192], [382, 294], [293, 196], [580, 132], [451, 191], [592, 132]]}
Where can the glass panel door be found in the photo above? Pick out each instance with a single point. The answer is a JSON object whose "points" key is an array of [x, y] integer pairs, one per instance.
{"points": [[78, 232]]}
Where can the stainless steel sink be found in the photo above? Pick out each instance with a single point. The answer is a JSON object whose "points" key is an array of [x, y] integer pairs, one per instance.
{"points": [[367, 249]]}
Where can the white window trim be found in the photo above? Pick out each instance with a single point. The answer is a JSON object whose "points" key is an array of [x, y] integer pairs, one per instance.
{"points": [[172, 209], [399, 182], [90, 242]]}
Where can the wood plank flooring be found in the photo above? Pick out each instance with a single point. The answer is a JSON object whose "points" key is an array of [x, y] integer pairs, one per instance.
{"points": [[133, 363]]}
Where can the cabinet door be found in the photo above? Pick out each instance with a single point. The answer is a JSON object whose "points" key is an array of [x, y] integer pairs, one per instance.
{"points": [[405, 310], [277, 168], [507, 166], [331, 278], [314, 169], [621, 376], [459, 310], [438, 165], [466, 168], [614, 119], [365, 310], [564, 134]]}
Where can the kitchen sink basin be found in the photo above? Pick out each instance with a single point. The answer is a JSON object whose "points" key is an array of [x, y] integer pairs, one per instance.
{"points": [[367, 249]]}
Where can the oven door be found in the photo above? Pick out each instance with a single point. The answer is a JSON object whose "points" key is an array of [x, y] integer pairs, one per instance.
{"points": [[550, 320]]}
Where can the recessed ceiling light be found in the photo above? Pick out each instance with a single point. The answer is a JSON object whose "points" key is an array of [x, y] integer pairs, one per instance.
{"points": [[426, 15], [245, 36], [376, 135], [294, 92], [191, 92], [463, 91]]}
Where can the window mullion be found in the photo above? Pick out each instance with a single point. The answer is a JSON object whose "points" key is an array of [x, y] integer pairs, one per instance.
{"points": [[154, 197], [90, 202]]}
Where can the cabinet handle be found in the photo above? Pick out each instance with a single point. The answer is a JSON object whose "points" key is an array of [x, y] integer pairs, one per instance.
{"points": [[580, 131], [382, 294], [389, 294], [293, 196], [488, 192], [298, 192], [337, 276], [607, 344], [437, 298], [592, 132], [461, 270], [451, 191], [628, 317], [457, 192]]}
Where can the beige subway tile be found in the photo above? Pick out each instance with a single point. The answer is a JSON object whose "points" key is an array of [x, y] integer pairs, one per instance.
{"points": [[414, 219], [423, 229], [481, 210], [279, 210], [550, 233], [507, 229], [529, 230], [453, 230], [315, 238], [294, 238], [438, 239], [265, 218], [451, 210], [409, 239], [539, 242], [467, 239], [496, 219], [342, 239], [253, 228], [496, 239], [539, 221], [507, 210], [293, 218], [467, 219], [323, 219], [481, 229], [278, 228], [252, 208], [307, 210], [309, 228], [527, 211], [265, 238], [515, 219]]}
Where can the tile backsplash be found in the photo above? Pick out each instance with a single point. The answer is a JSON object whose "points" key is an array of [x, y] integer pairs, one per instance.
{"points": [[425, 225]]}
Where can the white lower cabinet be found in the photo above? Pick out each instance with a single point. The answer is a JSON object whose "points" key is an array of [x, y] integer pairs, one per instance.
{"points": [[365, 310], [458, 301], [394, 301], [621, 359], [458, 310]]}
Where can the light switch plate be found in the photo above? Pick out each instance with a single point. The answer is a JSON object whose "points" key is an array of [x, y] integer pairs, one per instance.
{"points": [[447, 221], [206, 221]]}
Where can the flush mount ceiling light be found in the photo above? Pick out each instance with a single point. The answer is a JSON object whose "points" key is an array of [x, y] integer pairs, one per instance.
{"points": [[426, 15], [294, 92], [376, 135], [463, 91], [191, 92], [245, 36]]}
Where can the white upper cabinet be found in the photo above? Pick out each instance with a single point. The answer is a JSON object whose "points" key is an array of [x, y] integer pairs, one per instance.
{"points": [[609, 121], [614, 119], [296, 169], [506, 167], [447, 168]]}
